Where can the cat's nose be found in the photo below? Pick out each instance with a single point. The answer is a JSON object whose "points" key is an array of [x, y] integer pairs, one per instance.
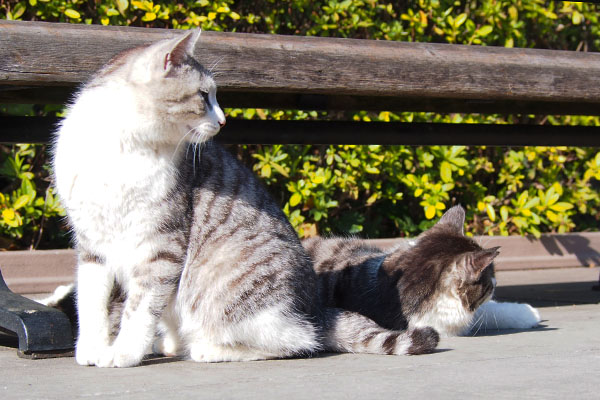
{"points": [[222, 123]]}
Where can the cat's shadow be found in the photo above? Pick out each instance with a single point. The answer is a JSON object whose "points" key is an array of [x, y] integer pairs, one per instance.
{"points": [[156, 359], [502, 332]]}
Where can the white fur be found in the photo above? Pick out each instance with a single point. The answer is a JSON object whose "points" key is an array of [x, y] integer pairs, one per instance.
{"points": [[269, 334], [448, 316], [59, 293], [497, 316]]}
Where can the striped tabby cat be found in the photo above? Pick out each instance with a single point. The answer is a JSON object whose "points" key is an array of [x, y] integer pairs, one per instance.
{"points": [[440, 280], [192, 240]]}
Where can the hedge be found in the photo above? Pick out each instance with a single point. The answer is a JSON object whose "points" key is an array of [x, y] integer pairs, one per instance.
{"points": [[370, 191]]}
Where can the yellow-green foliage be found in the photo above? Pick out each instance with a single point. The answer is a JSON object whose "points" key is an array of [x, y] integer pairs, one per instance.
{"points": [[371, 190], [24, 209]]}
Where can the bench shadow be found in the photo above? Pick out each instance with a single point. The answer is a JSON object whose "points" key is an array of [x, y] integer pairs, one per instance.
{"points": [[549, 294], [572, 244]]}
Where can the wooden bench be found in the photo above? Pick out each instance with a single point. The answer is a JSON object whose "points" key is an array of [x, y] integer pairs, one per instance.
{"points": [[43, 63]]}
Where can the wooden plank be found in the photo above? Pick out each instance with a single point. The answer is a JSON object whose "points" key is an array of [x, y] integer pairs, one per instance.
{"points": [[38, 130], [318, 73]]}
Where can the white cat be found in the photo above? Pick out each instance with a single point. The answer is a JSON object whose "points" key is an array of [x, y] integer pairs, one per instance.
{"points": [[116, 158]]}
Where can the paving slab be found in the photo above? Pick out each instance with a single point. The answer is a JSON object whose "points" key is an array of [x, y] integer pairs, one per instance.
{"points": [[561, 359]]}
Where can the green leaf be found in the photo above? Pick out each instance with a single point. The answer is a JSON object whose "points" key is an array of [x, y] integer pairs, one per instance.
{"points": [[295, 199], [490, 212], [561, 206], [18, 11], [265, 171], [280, 169], [460, 20], [72, 14], [430, 212], [552, 216], [372, 199], [485, 30], [149, 16], [122, 6], [532, 203], [446, 171], [504, 213], [355, 229], [460, 162], [21, 201]]}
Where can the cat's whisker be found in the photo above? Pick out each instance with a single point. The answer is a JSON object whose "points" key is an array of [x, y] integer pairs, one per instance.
{"points": [[181, 141], [496, 321], [479, 323], [215, 64]]}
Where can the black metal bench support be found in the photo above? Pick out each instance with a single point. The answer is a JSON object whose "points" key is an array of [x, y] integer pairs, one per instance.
{"points": [[42, 331]]}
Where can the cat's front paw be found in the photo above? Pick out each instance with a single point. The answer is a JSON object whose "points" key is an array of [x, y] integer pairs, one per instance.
{"points": [[114, 358], [89, 353], [529, 317]]}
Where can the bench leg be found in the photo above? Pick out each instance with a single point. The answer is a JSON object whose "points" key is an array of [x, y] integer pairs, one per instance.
{"points": [[42, 331]]}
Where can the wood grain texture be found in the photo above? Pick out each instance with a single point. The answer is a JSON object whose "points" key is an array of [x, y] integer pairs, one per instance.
{"points": [[44, 62], [38, 130]]}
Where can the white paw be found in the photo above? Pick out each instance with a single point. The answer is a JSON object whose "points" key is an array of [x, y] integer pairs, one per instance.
{"points": [[204, 352], [113, 358], [166, 345], [89, 352], [530, 317]]}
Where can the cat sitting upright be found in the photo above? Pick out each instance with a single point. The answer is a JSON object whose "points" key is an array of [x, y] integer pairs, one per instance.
{"points": [[194, 243], [442, 279]]}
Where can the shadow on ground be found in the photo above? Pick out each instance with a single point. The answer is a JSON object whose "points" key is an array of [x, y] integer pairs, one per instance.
{"points": [[550, 294]]}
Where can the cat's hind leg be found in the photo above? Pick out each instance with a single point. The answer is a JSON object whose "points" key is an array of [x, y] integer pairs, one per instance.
{"points": [[169, 342], [269, 333], [205, 351]]}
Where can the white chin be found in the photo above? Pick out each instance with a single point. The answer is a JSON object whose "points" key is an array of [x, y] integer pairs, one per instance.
{"points": [[208, 131]]}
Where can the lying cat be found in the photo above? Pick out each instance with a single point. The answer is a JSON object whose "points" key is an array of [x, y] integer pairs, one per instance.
{"points": [[442, 279], [192, 240]]}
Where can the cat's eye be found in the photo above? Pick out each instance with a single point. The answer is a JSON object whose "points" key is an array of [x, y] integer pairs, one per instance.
{"points": [[204, 96]]}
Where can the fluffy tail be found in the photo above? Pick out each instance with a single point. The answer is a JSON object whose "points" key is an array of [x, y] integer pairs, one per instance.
{"points": [[351, 332]]}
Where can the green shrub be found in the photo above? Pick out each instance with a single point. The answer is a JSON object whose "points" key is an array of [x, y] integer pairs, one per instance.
{"points": [[368, 190]]}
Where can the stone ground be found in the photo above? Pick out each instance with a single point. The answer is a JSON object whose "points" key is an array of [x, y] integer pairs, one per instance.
{"points": [[561, 359]]}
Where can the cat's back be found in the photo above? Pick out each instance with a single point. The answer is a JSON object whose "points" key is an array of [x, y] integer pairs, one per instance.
{"points": [[240, 241], [233, 196], [338, 254]]}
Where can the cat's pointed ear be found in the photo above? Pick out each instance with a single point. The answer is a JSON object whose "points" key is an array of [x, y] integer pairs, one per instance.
{"points": [[180, 49], [481, 259], [454, 218]]}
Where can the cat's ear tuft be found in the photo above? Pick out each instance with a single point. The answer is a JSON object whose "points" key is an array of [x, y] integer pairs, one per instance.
{"points": [[180, 49], [454, 218], [482, 258]]}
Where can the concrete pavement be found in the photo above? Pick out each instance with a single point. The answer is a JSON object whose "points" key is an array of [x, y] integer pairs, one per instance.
{"points": [[561, 359]]}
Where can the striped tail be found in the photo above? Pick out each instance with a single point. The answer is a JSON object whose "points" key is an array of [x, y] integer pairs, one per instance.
{"points": [[351, 332]]}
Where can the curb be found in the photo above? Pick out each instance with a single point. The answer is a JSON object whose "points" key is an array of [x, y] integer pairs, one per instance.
{"points": [[41, 271]]}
